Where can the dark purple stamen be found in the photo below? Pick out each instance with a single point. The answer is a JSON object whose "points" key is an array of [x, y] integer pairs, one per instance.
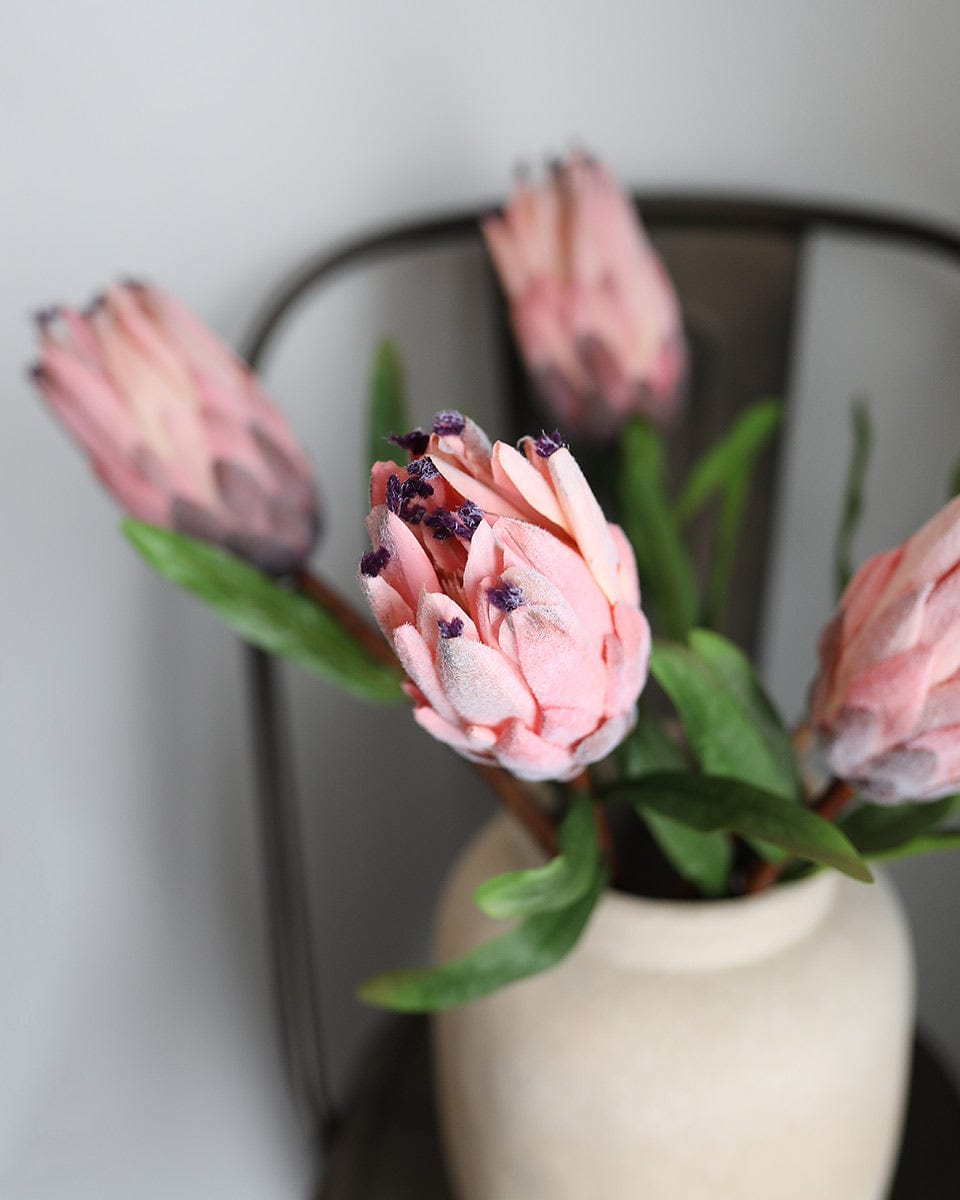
{"points": [[446, 524], [393, 494], [415, 442], [470, 514], [423, 468], [415, 487], [372, 563], [36, 372], [549, 443], [99, 301], [506, 597], [448, 423], [450, 629], [443, 523], [44, 317]]}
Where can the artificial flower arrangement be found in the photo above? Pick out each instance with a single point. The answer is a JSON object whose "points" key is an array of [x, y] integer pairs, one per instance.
{"points": [[516, 618]]}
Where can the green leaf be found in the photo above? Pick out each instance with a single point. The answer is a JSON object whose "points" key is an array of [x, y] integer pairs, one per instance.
{"points": [[387, 412], [713, 805], [732, 727], [703, 859], [730, 458], [853, 493], [537, 943], [879, 830], [557, 884], [953, 484], [727, 469], [669, 582], [648, 748], [926, 843], [264, 612]]}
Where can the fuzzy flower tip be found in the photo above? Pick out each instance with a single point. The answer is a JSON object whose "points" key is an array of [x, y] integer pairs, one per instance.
{"points": [[176, 426], [511, 602], [886, 704], [592, 307]]}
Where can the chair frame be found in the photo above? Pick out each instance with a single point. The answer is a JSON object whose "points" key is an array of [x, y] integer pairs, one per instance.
{"points": [[297, 987]]}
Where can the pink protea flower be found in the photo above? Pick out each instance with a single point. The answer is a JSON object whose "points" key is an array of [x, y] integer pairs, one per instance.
{"points": [[592, 306], [176, 426], [511, 602], [887, 701]]}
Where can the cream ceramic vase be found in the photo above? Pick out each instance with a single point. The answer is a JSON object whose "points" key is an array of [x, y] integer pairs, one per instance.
{"points": [[750, 1049]]}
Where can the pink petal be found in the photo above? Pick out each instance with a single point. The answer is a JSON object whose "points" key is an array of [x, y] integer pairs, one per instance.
{"points": [[418, 663], [586, 519], [481, 685]]}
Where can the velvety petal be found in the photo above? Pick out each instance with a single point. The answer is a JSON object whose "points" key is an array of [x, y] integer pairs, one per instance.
{"points": [[512, 471], [528, 756], [389, 607], [480, 685], [526, 545], [409, 569], [418, 662], [586, 520]]}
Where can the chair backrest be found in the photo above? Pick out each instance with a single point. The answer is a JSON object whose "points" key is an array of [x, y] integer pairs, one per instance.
{"points": [[737, 264]]}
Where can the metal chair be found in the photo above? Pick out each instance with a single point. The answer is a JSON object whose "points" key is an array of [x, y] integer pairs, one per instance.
{"points": [[737, 264]]}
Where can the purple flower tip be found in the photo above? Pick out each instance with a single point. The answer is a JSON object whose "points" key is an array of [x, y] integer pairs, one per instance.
{"points": [[470, 514], [450, 629], [423, 468], [448, 423], [414, 442], [549, 443], [394, 496], [506, 597], [45, 317], [372, 563]]}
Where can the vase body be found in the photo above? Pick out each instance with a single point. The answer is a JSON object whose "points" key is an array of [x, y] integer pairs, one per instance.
{"points": [[749, 1049]]}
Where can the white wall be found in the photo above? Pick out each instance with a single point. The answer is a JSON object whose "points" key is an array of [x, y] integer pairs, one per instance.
{"points": [[208, 146]]}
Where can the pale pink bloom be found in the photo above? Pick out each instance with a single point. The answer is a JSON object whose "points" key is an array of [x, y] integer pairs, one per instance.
{"points": [[887, 702], [592, 307], [176, 426], [511, 602]]}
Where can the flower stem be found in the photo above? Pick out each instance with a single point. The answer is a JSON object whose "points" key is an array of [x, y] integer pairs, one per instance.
{"points": [[355, 624], [834, 798], [508, 789]]}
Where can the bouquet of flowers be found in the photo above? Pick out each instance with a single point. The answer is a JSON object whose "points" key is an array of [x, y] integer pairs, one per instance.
{"points": [[515, 617]]}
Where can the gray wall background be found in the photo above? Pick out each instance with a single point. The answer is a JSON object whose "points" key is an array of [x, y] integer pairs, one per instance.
{"points": [[208, 146]]}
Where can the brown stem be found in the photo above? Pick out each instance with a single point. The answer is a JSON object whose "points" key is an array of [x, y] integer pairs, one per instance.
{"points": [[509, 790], [834, 799], [515, 797]]}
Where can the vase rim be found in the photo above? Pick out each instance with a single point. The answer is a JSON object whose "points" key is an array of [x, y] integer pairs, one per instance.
{"points": [[644, 932]]}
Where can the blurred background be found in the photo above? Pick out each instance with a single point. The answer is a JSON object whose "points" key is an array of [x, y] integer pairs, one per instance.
{"points": [[208, 147]]}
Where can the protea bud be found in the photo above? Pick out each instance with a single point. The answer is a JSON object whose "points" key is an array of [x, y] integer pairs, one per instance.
{"points": [[886, 704], [511, 602], [176, 426], [593, 310]]}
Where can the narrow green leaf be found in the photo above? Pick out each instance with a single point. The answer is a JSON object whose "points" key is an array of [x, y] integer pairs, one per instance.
{"points": [[264, 612], [730, 458], [736, 673], [648, 748], [713, 805], [853, 492], [953, 484], [880, 829], [537, 943], [703, 859], [926, 843], [730, 725], [387, 411], [557, 884], [669, 582], [729, 524]]}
